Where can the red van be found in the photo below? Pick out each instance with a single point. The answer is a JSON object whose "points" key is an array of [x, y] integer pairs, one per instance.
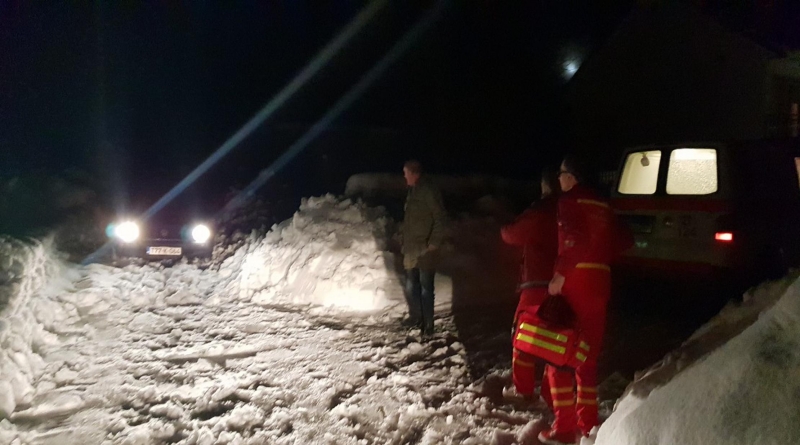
{"points": [[706, 208]]}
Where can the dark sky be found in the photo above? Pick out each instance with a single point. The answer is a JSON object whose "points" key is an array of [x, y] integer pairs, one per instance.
{"points": [[153, 89], [146, 91]]}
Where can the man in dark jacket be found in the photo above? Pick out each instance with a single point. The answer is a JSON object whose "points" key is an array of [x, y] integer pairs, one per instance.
{"points": [[423, 232]]}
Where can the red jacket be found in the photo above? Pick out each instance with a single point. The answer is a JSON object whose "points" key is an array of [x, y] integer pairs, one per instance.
{"points": [[536, 231], [588, 231]]}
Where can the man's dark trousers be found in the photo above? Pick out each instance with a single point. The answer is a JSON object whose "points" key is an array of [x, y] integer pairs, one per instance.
{"points": [[419, 295]]}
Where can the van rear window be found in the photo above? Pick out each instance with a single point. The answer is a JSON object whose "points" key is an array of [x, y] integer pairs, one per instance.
{"points": [[692, 171], [640, 174]]}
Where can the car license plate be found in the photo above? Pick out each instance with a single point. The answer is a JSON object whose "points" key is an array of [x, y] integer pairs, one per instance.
{"points": [[165, 251]]}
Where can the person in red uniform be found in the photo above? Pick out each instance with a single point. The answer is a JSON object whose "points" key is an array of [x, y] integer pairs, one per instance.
{"points": [[586, 246], [535, 230]]}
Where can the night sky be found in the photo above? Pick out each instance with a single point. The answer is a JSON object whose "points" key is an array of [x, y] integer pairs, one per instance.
{"points": [[141, 94]]}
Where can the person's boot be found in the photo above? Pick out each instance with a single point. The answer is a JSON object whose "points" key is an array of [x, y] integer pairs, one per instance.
{"points": [[427, 331], [553, 437]]}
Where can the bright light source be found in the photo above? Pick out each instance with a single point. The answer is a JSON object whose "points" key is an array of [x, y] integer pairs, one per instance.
{"points": [[571, 68], [692, 171], [570, 60], [201, 233], [127, 231], [640, 174], [724, 236], [694, 154]]}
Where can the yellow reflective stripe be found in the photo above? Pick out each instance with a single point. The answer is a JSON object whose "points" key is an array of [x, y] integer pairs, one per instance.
{"points": [[522, 363], [589, 389], [593, 266], [583, 401], [563, 390], [563, 402], [584, 345], [544, 332], [580, 356], [594, 202], [542, 344]]}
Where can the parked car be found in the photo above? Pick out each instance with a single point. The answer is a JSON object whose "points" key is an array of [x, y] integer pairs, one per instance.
{"points": [[712, 208], [160, 238]]}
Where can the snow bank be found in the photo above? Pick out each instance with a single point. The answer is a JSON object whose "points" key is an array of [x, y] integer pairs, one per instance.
{"points": [[736, 381], [25, 269], [331, 253]]}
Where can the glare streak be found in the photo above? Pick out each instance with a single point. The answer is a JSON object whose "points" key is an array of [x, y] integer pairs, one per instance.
{"points": [[340, 106], [317, 63]]}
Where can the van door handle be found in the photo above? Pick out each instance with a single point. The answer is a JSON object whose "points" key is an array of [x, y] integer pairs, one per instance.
{"points": [[668, 222]]}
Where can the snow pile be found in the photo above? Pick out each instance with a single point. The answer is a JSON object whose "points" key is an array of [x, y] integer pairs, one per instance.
{"points": [[25, 270], [746, 389], [331, 253]]}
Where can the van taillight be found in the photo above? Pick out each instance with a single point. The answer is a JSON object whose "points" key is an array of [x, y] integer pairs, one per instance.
{"points": [[725, 237]]}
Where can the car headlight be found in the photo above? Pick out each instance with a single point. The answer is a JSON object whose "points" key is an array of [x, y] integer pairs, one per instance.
{"points": [[201, 233], [127, 231]]}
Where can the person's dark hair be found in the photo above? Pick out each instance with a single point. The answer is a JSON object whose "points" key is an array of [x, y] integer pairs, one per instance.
{"points": [[579, 168], [413, 166]]}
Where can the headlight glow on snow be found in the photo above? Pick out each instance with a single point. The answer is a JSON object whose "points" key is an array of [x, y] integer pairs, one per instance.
{"points": [[127, 231], [201, 233]]}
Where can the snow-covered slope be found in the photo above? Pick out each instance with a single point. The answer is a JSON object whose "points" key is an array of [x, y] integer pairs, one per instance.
{"points": [[736, 381], [28, 273]]}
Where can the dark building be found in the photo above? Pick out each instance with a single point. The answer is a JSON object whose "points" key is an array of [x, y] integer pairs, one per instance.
{"points": [[674, 73]]}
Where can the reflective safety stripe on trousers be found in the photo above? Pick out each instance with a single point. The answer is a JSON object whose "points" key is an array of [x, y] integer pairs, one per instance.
{"points": [[518, 361], [587, 395], [563, 396]]}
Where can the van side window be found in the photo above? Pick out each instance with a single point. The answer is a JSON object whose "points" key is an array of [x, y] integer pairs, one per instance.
{"points": [[797, 165], [640, 174], [692, 171]]}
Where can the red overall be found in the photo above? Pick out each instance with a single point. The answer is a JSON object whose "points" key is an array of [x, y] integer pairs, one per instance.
{"points": [[587, 243], [536, 231]]}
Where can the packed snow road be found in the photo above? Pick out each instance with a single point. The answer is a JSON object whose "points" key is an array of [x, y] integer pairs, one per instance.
{"points": [[294, 339], [145, 358]]}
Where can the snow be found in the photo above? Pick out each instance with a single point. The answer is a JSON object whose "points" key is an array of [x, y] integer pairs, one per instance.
{"points": [[28, 269], [740, 372], [294, 338], [331, 253]]}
